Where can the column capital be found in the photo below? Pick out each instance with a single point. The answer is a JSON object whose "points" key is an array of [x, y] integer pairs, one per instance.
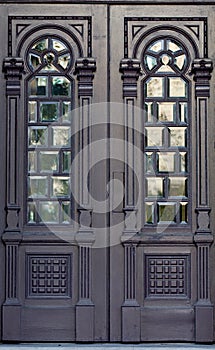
{"points": [[13, 67], [84, 69], [131, 71], [201, 69]]}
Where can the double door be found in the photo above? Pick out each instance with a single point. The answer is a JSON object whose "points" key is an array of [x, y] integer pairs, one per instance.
{"points": [[107, 234]]}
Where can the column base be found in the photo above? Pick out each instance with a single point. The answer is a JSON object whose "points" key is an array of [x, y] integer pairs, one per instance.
{"points": [[131, 323], [204, 323], [84, 322], [11, 320]]}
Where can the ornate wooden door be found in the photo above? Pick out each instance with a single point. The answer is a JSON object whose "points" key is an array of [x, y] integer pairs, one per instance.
{"points": [[106, 229]]}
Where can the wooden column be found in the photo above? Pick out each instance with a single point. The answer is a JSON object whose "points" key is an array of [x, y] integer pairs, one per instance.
{"points": [[13, 69], [85, 68], [130, 69], [202, 68]]}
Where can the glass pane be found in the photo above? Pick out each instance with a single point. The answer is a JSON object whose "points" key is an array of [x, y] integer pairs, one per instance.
{"points": [[177, 87], [48, 111], [183, 112], [66, 161], [154, 187], [60, 186], [165, 69], [48, 161], [66, 212], [180, 61], [149, 212], [149, 114], [166, 162], [49, 60], [37, 136], [166, 111], [34, 61], [60, 86], [32, 162], [32, 111], [31, 213], [66, 111], [183, 161], [49, 212], [41, 45], [183, 213], [150, 62], [154, 136], [154, 87], [38, 86], [172, 46], [64, 61], [177, 137], [58, 45], [38, 186], [61, 136], [157, 46], [149, 162], [178, 187], [166, 212]]}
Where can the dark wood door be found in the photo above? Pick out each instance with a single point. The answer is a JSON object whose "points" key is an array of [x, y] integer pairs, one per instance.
{"points": [[108, 230]]}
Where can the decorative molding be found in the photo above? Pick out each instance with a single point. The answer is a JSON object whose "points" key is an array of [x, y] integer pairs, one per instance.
{"points": [[167, 276], [131, 71], [48, 276], [84, 69]]}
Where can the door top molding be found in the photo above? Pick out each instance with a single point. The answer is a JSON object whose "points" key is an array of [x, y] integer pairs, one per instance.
{"points": [[113, 2]]}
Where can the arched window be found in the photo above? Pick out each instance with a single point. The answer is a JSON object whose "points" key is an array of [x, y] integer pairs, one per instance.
{"points": [[49, 92], [166, 126]]}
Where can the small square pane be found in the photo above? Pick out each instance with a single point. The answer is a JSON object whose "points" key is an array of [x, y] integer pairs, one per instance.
{"points": [[177, 87], [66, 117], [149, 213], [154, 87], [66, 161], [178, 187], [166, 111], [184, 212], [48, 111], [32, 111], [39, 86], [60, 86], [60, 186], [37, 136], [31, 213], [49, 212], [41, 45], [166, 162], [61, 136], [178, 136], [183, 161], [154, 136], [154, 187], [32, 161], [166, 212], [48, 161], [183, 112], [149, 162], [66, 212], [37, 186]]}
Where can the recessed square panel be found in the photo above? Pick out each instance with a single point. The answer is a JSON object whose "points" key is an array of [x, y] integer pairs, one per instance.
{"points": [[154, 87], [178, 187], [48, 111], [166, 111], [177, 87], [61, 136], [167, 212], [166, 162], [178, 136], [60, 186], [154, 136], [154, 186], [37, 186], [48, 161], [49, 212]]}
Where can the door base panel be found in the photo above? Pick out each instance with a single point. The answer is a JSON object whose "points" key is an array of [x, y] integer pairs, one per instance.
{"points": [[204, 323]]}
